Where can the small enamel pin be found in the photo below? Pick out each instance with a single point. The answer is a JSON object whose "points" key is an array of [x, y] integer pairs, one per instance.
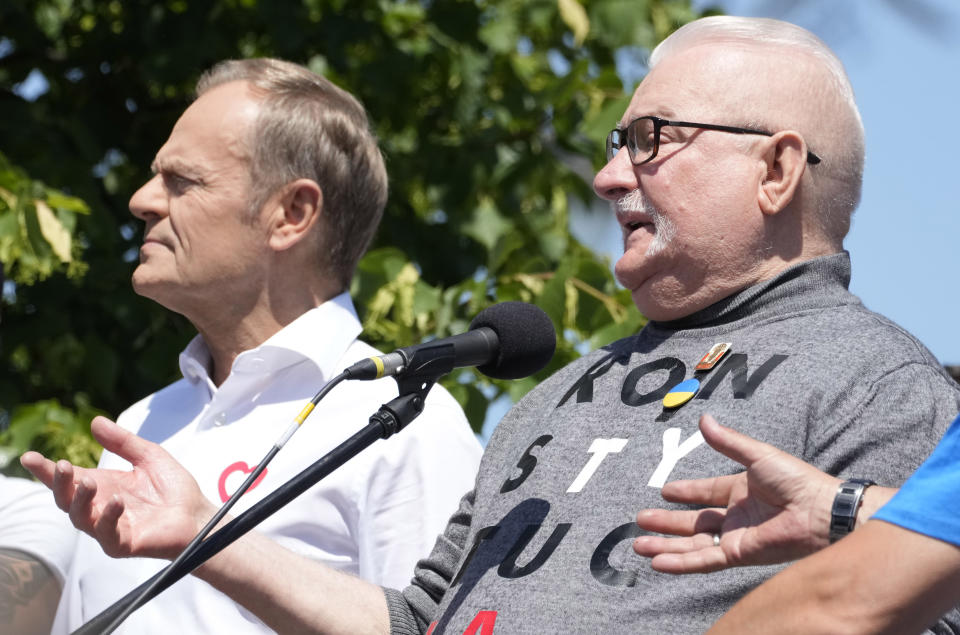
{"points": [[687, 389], [713, 356], [681, 393]]}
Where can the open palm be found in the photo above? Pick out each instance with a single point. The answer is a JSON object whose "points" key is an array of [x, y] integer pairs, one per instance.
{"points": [[152, 510], [775, 511]]}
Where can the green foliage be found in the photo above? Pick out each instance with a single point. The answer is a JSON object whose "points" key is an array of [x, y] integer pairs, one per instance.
{"points": [[491, 114], [36, 228], [49, 428]]}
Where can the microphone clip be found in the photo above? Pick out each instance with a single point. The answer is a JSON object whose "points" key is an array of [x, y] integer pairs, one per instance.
{"points": [[425, 366], [397, 413]]}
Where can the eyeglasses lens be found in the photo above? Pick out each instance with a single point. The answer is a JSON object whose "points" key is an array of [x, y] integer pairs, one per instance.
{"points": [[614, 142], [640, 139]]}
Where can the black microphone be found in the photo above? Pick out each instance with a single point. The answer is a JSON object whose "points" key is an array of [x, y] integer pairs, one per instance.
{"points": [[508, 340]]}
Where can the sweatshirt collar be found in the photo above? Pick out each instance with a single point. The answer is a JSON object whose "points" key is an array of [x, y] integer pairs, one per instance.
{"points": [[816, 283]]}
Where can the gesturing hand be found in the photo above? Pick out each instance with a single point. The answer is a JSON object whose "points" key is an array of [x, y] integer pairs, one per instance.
{"points": [[153, 510], [777, 510]]}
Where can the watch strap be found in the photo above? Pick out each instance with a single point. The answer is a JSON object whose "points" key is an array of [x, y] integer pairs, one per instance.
{"points": [[846, 504]]}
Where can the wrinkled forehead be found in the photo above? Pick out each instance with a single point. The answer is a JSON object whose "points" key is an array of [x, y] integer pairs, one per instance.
{"points": [[217, 125], [731, 83]]}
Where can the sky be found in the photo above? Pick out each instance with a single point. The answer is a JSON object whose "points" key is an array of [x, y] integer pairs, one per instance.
{"points": [[902, 57]]}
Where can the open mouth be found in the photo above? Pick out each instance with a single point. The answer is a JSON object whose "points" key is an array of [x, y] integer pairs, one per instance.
{"points": [[637, 224]]}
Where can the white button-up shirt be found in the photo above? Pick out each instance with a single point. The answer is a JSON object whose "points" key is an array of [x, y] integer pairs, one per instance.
{"points": [[374, 517]]}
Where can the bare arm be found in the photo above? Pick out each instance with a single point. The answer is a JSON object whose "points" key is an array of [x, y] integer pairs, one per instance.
{"points": [[776, 511], [292, 594], [155, 509], [880, 579], [29, 593]]}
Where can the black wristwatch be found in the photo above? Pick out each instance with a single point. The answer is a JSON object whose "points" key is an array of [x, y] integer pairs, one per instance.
{"points": [[846, 504]]}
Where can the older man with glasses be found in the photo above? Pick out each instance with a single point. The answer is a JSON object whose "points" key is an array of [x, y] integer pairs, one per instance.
{"points": [[733, 247]]}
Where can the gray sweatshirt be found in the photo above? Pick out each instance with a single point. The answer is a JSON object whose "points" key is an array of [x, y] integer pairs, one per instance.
{"points": [[543, 543]]}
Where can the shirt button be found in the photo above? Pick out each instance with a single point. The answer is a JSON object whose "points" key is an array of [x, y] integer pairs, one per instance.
{"points": [[220, 419]]}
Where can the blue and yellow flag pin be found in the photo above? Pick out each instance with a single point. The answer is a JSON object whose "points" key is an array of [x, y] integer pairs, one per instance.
{"points": [[681, 393]]}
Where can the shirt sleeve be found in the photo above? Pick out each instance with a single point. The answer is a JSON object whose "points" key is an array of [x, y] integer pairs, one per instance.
{"points": [[31, 522], [412, 610], [889, 429]]}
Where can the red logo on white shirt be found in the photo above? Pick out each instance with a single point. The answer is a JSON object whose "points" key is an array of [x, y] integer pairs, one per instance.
{"points": [[242, 468]]}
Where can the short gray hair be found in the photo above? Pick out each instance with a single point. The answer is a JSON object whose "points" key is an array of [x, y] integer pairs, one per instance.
{"points": [[839, 137], [309, 128]]}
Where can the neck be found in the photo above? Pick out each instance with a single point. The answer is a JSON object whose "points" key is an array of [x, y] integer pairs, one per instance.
{"points": [[226, 337], [787, 240], [671, 298]]}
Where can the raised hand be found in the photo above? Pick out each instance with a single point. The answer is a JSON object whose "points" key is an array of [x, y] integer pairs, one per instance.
{"points": [[777, 510], [153, 510]]}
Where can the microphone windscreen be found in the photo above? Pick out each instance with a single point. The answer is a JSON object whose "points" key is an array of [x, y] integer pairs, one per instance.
{"points": [[527, 339]]}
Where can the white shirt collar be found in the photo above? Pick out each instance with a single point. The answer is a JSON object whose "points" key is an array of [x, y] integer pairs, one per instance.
{"points": [[321, 336]]}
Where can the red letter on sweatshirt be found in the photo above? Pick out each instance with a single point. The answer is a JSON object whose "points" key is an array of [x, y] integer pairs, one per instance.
{"points": [[482, 624]]}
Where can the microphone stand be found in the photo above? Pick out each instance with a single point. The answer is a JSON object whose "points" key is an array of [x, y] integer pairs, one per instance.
{"points": [[426, 366]]}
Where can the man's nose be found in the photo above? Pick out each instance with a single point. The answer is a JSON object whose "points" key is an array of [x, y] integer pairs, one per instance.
{"points": [[150, 201], [616, 178]]}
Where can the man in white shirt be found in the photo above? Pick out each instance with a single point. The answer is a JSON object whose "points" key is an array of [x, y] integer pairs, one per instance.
{"points": [[264, 197]]}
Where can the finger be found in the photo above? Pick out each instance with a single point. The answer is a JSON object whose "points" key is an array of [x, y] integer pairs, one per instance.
{"points": [[703, 491], [702, 561], [40, 466], [106, 528], [651, 546], [81, 507], [63, 485], [681, 523], [741, 448], [121, 442]]}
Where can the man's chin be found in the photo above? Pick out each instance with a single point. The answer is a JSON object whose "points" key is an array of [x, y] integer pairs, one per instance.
{"points": [[661, 298], [645, 296], [147, 286], [649, 306]]}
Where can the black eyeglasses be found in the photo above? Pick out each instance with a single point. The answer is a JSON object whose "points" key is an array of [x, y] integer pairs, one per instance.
{"points": [[642, 137]]}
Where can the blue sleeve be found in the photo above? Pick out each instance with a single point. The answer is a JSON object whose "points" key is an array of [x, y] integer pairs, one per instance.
{"points": [[929, 502]]}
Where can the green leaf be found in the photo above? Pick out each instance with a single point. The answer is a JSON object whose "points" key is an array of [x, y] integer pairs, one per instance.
{"points": [[598, 125], [575, 17], [488, 226], [53, 231], [59, 200], [501, 31]]}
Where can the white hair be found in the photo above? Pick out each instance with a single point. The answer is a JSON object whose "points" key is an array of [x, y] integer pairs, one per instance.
{"points": [[831, 108], [663, 228]]}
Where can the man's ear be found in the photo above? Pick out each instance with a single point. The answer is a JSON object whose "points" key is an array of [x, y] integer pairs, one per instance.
{"points": [[786, 160], [295, 211]]}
